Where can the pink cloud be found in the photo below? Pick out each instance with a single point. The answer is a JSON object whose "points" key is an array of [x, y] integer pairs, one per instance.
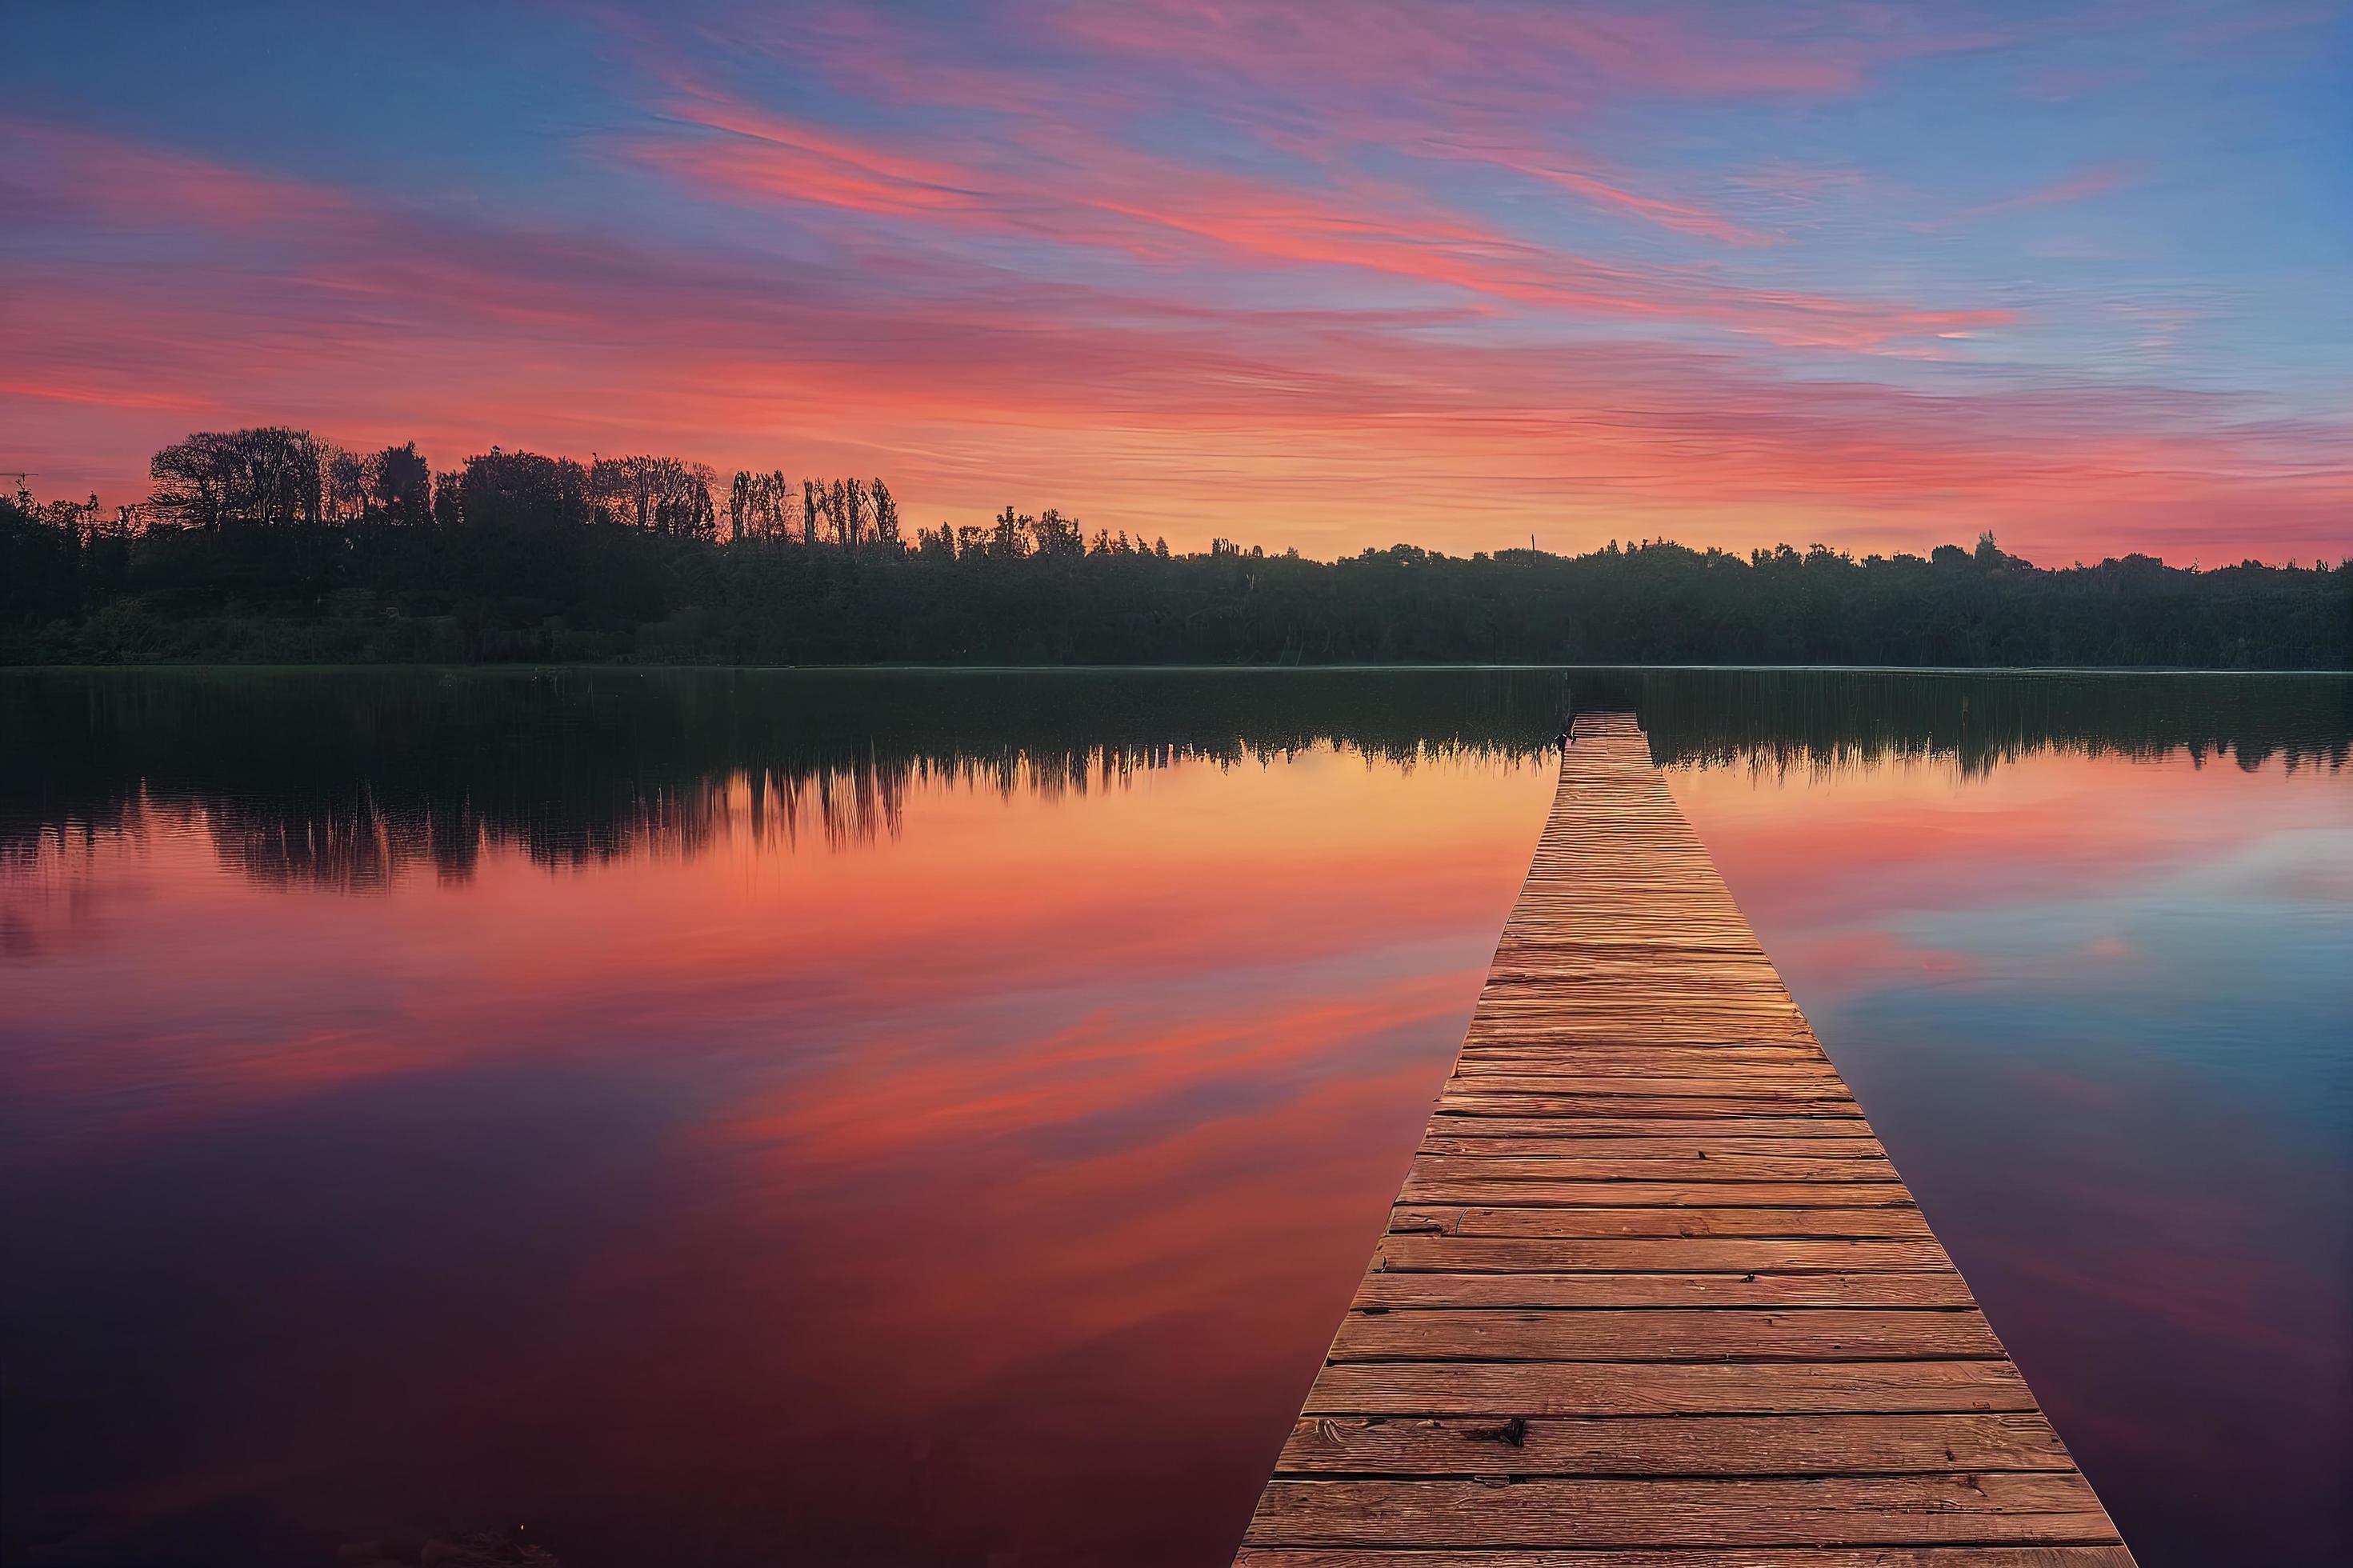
{"points": [[1102, 196], [1332, 427], [1677, 215], [1521, 49], [2077, 187], [1494, 86]]}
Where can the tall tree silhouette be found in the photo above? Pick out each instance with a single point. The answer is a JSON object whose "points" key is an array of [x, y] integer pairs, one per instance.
{"points": [[522, 490], [400, 486], [265, 474]]}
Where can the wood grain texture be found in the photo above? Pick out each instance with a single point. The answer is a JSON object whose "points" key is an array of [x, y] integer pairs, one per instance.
{"points": [[1665, 1388], [1983, 1508], [1588, 1129], [1557, 1334], [1652, 1295], [1393, 1287], [1601, 1192], [1619, 1165], [1494, 1142], [1609, 1215], [1697, 1445]]}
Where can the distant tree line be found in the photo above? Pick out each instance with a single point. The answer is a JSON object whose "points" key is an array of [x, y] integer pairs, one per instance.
{"points": [[270, 544]]}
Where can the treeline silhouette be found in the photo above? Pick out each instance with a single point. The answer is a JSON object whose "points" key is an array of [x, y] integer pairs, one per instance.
{"points": [[349, 778], [271, 545]]}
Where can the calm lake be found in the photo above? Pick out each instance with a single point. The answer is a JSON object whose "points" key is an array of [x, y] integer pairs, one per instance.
{"points": [[743, 1117]]}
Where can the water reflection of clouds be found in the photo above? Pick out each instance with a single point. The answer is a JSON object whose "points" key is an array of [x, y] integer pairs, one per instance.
{"points": [[915, 1170], [2095, 1009], [1008, 1167]]}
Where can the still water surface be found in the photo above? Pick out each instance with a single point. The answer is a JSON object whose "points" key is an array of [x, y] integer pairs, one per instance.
{"points": [[746, 1118]]}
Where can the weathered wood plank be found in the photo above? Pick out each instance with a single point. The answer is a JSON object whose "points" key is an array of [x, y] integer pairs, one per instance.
{"points": [[1568, 1080], [1543, 1047], [1501, 1443], [1641, 1060], [2110, 1556], [1938, 1287], [1977, 1507], [1464, 1103], [1577, 1143], [1664, 1388], [1624, 1195], [1445, 1124], [1652, 1194], [1678, 1076], [1576, 1165], [1659, 1219], [1557, 1335]]}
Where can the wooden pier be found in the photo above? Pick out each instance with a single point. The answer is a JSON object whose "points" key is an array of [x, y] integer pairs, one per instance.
{"points": [[1652, 1294]]}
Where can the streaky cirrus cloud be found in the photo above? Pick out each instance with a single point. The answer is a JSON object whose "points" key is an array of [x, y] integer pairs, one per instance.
{"points": [[1112, 198]]}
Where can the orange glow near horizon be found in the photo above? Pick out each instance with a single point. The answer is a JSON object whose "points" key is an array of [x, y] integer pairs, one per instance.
{"points": [[1295, 277]]}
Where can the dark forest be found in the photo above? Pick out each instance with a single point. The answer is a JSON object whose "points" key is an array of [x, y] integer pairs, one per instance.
{"points": [[268, 545]]}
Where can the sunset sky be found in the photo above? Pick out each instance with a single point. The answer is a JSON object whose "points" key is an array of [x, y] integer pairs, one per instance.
{"points": [[1324, 276]]}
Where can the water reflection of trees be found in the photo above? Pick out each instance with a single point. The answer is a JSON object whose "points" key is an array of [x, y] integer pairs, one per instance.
{"points": [[351, 779], [1846, 719]]}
